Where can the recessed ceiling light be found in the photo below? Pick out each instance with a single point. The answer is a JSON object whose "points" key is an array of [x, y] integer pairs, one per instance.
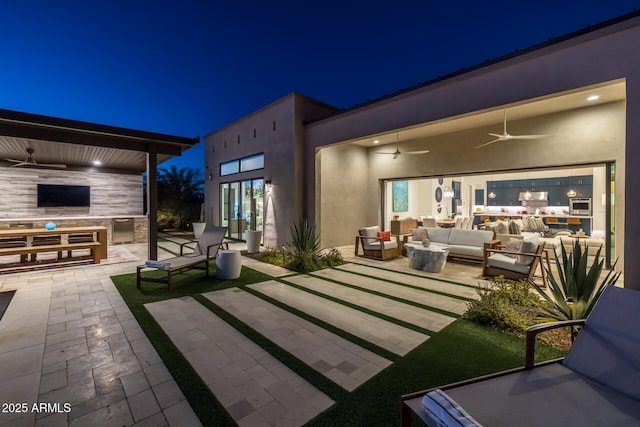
{"points": [[375, 141], [97, 163], [593, 97]]}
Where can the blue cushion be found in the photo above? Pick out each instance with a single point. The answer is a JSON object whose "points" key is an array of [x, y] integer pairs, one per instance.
{"points": [[445, 411]]}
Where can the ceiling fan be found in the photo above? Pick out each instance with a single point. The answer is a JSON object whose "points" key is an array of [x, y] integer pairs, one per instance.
{"points": [[31, 162], [506, 136], [397, 153]]}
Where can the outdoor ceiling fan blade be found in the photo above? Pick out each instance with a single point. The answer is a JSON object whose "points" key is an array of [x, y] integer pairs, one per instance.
{"points": [[52, 165], [380, 152], [14, 161], [487, 143], [529, 136], [497, 135], [416, 152]]}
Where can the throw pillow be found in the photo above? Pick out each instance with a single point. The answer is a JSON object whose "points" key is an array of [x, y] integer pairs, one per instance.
{"points": [[525, 223], [418, 234], [540, 225], [500, 227], [513, 245], [514, 228], [529, 246], [386, 235]]}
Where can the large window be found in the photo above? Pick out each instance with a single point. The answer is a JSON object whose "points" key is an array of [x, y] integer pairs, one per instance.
{"points": [[229, 168], [242, 207], [252, 163], [245, 164]]}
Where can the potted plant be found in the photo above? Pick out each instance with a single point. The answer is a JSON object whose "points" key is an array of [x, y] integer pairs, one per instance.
{"points": [[199, 226], [253, 236]]}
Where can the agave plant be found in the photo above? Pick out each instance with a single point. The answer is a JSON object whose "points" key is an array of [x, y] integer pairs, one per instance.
{"points": [[303, 250], [575, 291]]}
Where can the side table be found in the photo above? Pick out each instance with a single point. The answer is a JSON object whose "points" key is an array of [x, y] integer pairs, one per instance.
{"points": [[228, 264]]}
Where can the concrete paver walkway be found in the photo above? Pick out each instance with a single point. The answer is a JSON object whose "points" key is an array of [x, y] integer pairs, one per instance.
{"points": [[347, 364], [254, 387], [68, 340], [430, 299], [426, 319], [383, 333], [420, 282]]}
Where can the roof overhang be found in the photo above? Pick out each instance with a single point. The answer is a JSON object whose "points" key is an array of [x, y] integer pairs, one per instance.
{"points": [[78, 144]]}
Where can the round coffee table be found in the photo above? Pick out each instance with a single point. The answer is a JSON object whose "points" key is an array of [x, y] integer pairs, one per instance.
{"points": [[431, 258]]}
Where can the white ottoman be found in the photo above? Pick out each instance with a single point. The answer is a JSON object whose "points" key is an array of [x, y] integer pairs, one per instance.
{"points": [[228, 264]]}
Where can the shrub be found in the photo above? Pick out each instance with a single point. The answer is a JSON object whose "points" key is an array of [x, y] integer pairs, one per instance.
{"points": [[515, 292], [271, 256], [494, 309], [333, 258]]}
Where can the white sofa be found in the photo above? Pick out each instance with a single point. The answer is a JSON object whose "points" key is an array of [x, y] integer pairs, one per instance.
{"points": [[467, 244]]}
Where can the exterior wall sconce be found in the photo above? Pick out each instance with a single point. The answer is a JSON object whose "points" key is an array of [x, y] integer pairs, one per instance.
{"points": [[210, 177], [267, 185]]}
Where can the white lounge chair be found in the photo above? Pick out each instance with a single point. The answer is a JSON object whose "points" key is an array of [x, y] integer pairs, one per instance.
{"points": [[206, 249]]}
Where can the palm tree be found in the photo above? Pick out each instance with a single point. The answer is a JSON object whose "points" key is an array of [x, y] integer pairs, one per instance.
{"points": [[177, 190]]}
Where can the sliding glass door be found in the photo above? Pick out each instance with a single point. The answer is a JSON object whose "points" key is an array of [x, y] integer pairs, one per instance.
{"points": [[242, 207]]}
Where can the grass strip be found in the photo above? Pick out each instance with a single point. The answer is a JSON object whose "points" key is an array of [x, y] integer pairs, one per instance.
{"points": [[205, 405], [312, 376], [327, 326], [460, 351], [359, 308], [391, 297]]}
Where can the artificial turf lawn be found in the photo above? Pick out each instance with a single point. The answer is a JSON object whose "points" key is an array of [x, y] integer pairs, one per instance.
{"points": [[460, 351]]}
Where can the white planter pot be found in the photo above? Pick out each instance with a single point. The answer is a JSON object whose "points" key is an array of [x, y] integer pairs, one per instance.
{"points": [[198, 229], [253, 241]]}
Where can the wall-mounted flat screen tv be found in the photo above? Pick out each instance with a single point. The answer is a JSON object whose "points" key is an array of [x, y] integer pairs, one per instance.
{"points": [[50, 195]]}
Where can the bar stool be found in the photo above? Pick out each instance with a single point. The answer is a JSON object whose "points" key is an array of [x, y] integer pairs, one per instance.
{"points": [[573, 221], [552, 220]]}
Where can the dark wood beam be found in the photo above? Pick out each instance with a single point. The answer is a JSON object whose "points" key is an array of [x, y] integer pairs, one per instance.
{"points": [[152, 202]]}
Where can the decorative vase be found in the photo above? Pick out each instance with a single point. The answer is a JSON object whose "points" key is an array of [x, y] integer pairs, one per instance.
{"points": [[50, 226], [426, 242]]}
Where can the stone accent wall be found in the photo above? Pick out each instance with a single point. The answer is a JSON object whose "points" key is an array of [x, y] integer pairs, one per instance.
{"points": [[111, 194]]}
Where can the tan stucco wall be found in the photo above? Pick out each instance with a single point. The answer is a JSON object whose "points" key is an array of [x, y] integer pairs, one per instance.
{"points": [[589, 60], [583, 136], [344, 194], [283, 150]]}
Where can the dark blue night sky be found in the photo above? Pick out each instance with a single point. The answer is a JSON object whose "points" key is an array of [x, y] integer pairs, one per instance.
{"points": [[188, 68]]}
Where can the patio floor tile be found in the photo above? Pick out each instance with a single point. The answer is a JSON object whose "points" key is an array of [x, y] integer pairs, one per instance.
{"points": [[237, 389], [378, 331], [303, 339]]}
